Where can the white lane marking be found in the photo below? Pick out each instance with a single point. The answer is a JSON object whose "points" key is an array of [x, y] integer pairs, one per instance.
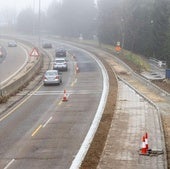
{"points": [[47, 121], [74, 82], [9, 163]]}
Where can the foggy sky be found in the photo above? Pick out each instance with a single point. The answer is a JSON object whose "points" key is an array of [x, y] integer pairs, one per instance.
{"points": [[18, 5], [11, 8]]}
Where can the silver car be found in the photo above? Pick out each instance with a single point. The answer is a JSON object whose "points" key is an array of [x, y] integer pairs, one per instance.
{"points": [[52, 77], [60, 64], [12, 44]]}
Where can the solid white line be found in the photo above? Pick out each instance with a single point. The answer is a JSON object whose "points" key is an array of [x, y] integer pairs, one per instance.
{"points": [[47, 121], [73, 83], [89, 137], [9, 163]]}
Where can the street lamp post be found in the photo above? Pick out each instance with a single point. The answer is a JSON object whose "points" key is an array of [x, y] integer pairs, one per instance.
{"points": [[122, 32], [39, 23]]}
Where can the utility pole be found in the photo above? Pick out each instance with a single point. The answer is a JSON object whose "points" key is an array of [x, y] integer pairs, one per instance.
{"points": [[39, 24]]}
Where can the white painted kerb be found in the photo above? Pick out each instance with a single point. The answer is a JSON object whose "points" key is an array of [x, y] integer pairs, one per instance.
{"points": [[89, 137]]}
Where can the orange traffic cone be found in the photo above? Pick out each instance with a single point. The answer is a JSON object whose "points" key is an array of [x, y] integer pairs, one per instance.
{"points": [[143, 149], [146, 141], [65, 97]]}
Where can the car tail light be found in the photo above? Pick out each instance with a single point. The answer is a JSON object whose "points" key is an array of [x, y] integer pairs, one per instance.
{"points": [[57, 77], [45, 78]]}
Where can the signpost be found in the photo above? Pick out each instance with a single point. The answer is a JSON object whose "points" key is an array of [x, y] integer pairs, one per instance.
{"points": [[35, 53], [118, 48]]}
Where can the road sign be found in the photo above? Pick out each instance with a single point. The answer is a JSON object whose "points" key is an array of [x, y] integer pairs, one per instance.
{"points": [[34, 52], [118, 43]]}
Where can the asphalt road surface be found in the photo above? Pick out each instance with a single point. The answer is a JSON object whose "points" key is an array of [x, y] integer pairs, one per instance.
{"points": [[44, 132], [13, 60]]}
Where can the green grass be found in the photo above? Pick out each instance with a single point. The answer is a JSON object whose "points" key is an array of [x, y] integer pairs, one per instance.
{"points": [[137, 60]]}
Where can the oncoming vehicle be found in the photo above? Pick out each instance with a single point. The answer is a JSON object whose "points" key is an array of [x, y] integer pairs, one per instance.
{"points": [[12, 44], [60, 64], [60, 52], [52, 77]]}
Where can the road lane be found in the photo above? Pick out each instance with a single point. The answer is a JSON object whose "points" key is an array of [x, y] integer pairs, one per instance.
{"points": [[23, 138], [15, 59]]}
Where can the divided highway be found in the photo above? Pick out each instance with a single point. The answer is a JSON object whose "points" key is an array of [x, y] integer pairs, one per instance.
{"points": [[44, 132], [41, 131]]}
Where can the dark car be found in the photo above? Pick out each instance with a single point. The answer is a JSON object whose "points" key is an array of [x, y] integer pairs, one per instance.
{"points": [[47, 45], [61, 52]]}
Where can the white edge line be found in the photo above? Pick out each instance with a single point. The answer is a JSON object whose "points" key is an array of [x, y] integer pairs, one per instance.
{"points": [[9, 163], [93, 128], [47, 121]]}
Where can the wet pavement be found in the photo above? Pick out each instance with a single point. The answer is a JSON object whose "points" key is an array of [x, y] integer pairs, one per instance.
{"points": [[133, 117]]}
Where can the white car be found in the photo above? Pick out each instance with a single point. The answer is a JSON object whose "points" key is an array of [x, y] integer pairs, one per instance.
{"points": [[60, 64]]}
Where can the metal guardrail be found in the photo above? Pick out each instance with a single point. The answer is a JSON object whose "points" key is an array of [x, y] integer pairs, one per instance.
{"points": [[159, 63]]}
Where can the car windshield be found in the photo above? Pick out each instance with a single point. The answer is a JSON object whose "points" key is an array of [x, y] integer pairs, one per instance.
{"points": [[60, 49], [50, 73], [59, 61]]}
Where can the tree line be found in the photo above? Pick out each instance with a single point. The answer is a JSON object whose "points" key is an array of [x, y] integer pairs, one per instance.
{"points": [[141, 26], [68, 18]]}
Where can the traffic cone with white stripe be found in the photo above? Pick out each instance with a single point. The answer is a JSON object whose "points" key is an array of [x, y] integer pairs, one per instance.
{"points": [[143, 149], [146, 141], [65, 97]]}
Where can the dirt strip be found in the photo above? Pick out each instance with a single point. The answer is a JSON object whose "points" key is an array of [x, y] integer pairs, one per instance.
{"points": [[93, 155]]}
